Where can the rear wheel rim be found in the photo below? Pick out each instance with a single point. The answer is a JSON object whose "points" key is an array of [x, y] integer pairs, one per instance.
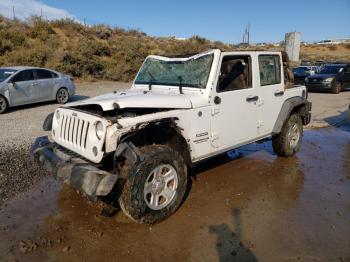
{"points": [[3, 104], [294, 136], [160, 187], [62, 96]]}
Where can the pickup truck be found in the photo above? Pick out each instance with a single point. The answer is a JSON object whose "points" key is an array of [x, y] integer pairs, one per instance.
{"points": [[137, 146]]}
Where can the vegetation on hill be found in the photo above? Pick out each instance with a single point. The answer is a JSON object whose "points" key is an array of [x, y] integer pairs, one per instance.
{"points": [[92, 52]]}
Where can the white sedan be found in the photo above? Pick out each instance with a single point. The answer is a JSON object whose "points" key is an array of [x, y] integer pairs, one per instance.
{"points": [[27, 85]]}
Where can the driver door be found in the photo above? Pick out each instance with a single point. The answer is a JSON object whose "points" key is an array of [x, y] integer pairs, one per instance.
{"points": [[235, 113], [21, 88]]}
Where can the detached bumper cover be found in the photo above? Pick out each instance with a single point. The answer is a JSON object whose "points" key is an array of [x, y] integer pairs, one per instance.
{"points": [[74, 171]]}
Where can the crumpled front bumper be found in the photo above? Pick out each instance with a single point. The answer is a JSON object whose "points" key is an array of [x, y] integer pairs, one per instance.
{"points": [[78, 173]]}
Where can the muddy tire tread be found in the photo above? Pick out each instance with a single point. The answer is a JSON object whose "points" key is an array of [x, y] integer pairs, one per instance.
{"points": [[280, 142], [131, 200]]}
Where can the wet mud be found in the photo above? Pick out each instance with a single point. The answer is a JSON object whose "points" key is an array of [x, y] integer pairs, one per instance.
{"points": [[249, 205]]}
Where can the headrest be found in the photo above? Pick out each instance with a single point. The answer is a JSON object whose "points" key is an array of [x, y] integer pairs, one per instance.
{"points": [[233, 66]]}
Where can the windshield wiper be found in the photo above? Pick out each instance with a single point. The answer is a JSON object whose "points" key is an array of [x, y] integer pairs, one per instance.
{"points": [[180, 84], [151, 82]]}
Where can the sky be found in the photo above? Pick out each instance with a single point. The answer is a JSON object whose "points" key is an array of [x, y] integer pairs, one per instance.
{"points": [[221, 20]]}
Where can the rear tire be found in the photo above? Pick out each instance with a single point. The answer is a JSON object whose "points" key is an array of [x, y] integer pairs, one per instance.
{"points": [[155, 187], [288, 142], [336, 88], [3, 105], [62, 96]]}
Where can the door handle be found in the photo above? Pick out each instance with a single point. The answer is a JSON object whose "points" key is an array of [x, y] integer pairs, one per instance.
{"points": [[279, 93], [252, 98]]}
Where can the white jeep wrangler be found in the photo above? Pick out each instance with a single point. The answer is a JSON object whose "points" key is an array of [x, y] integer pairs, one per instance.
{"points": [[137, 146]]}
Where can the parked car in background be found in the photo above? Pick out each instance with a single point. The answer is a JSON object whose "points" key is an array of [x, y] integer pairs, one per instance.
{"points": [[331, 77], [27, 85], [301, 72]]}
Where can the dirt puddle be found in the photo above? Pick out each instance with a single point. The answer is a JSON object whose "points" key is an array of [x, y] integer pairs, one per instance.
{"points": [[252, 207]]}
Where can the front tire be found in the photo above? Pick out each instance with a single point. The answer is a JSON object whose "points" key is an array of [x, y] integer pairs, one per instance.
{"points": [[155, 187], [288, 142], [62, 96], [336, 88], [3, 105]]}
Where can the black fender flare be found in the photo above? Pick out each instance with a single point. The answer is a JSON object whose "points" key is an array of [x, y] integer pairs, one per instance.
{"points": [[288, 106]]}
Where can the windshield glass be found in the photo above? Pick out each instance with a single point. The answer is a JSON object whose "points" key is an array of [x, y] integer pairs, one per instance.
{"points": [[189, 73], [330, 70], [6, 73], [300, 70]]}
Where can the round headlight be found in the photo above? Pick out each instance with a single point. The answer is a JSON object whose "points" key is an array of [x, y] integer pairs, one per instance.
{"points": [[99, 129]]}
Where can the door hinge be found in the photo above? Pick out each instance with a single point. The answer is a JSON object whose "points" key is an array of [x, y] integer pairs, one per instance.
{"points": [[260, 123], [214, 136], [260, 102], [215, 111]]}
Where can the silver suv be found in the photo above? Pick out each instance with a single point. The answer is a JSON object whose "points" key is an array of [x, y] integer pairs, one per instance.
{"points": [[27, 85]]}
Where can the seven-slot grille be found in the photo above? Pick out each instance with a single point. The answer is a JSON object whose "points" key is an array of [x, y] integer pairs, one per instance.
{"points": [[74, 131]]}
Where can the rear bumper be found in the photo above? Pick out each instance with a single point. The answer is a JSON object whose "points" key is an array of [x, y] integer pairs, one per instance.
{"points": [[78, 173]]}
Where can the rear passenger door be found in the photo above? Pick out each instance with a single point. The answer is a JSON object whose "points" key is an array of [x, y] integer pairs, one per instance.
{"points": [[271, 90], [45, 84], [21, 89]]}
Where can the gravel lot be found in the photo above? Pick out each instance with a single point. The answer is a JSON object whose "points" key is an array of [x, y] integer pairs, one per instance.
{"points": [[20, 127]]}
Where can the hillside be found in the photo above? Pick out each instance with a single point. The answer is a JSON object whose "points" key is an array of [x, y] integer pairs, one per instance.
{"points": [[101, 52]]}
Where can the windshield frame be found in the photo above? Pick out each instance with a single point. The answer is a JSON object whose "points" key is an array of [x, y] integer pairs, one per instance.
{"points": [[177, 60], [14, 71]]}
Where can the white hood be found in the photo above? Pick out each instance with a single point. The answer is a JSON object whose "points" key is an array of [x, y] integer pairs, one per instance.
{"points": [[143, 99]]}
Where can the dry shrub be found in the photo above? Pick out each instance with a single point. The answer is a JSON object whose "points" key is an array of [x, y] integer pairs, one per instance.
{"points": [[102, 52], [333, 47]]}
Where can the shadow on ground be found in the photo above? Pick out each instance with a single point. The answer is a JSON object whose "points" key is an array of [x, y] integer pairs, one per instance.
{"points": [[340, 121], [229, 244]]}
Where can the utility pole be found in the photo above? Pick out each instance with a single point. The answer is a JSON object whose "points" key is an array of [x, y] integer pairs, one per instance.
{"points": [[41, 13], [13, 10], [248, 33]]}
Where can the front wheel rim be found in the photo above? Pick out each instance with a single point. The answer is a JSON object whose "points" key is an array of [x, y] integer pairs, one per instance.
{"points": [[2, 104], [160, 187], [294, 136], [62, 96]]}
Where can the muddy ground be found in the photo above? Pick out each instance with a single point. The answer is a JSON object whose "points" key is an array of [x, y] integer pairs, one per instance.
{"points": [[248, 206], [252, 206]]}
